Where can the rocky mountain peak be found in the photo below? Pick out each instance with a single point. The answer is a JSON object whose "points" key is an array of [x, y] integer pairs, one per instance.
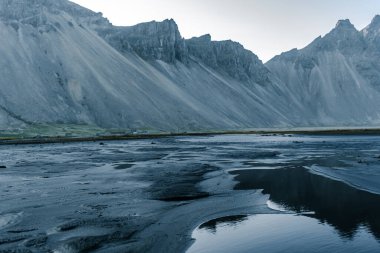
{"points": [[372, 31], [344, 29], [202, 39], [375, 21], [344, 38], [345, 24]]}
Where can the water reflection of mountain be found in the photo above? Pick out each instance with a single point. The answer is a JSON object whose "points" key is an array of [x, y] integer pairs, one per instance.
{"points": [[333, 202], [231, 221]]}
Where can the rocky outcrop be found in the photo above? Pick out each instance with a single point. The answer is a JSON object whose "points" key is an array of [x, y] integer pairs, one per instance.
{"points": [[151, 41], [230, 57], [372, 32], [162, 41], [344, 38]]}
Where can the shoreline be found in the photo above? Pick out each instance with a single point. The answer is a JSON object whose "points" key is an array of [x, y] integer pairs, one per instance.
{"points": [[58, 139]]}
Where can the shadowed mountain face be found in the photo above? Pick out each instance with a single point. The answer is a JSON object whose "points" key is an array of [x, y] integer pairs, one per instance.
{"points": [[62, 63], [343, 207]]}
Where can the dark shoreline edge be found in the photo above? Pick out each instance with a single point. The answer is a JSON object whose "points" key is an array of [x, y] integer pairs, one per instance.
{"points": [[51, 140]]}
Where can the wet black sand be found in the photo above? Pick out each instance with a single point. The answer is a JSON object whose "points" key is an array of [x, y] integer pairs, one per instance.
{"points": [[149, 195]]}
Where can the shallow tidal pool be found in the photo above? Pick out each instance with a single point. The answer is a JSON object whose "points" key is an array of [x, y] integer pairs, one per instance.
{"points": [[279, 233]]}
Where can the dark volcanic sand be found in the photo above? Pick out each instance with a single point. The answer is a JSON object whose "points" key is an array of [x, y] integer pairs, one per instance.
{"points": [[139, 196]]}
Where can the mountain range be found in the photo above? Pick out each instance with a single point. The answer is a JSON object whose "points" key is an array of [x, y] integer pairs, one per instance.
{"points": [[61, 63]]}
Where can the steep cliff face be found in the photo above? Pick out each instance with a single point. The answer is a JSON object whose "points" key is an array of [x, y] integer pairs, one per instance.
{"points": [[163, 41], [229, 57], [369, 64], [151, 41]]}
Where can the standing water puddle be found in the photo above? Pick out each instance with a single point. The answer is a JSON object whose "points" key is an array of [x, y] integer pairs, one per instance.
{"points": [[330, 216]]}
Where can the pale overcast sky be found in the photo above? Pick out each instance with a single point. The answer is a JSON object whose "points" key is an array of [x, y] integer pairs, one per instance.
{"points": [[266, 27]]}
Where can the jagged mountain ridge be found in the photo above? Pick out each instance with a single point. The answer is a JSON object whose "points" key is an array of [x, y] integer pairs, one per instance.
{"points": [[337, 76], [64, 68], [63, 63], [163, 41]]}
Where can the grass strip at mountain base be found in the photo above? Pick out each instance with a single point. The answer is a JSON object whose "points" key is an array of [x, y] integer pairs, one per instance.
{"points": [[41, 134]]}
